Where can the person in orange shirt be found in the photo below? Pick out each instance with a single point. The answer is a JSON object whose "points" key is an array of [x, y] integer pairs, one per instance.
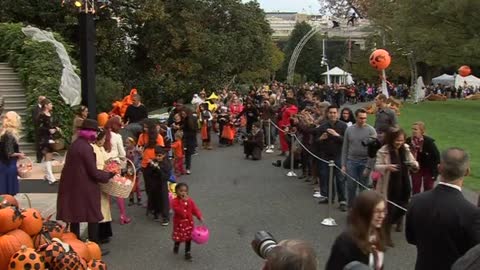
{"points": [[148, 140], [178, 154]]}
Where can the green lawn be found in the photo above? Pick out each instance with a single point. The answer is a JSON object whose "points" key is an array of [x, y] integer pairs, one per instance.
{"points": [[450, 123]]}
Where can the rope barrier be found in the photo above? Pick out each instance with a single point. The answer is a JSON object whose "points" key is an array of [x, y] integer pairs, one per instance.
{"points": [[338, 168]]}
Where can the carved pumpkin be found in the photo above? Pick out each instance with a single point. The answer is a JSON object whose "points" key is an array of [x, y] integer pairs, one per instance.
{"points": [[42, 238], [32, 221], [97, 265], [54, 228], [50, 252], [7, 200], [94, 250], [380, 59], [102, 119], [464, 71], [79, 247], [22, 236], [9, 244], [10, 219], [67, 261], [26, 258]]}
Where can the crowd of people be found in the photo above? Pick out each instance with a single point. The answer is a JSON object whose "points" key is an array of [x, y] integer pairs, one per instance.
{"points": [[310, 128]]}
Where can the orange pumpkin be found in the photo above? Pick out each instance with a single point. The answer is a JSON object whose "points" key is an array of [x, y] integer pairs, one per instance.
{"points": [[97, 265], [32, 221], [50, 252], [9, 244], [42, 238], [380, 59], [68, 236], [26, 258], [102, 119], [7, 200], [22, 237], [79, 247], [94, 250], [464, 71], [67, 261], [10, 219], [54, 228]]}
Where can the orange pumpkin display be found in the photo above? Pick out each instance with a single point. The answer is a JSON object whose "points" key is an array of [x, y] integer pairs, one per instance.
{"points": [[54, 228], [97, 265], [380, 59], [8, 246], [68, 236], [67, 261], [26, 258], [464, 71], [94, 250], [10, 219], [50, 252], [7, 200], [79, 247], [32, 221], [42, 238], [102, 119], [22, 237]]}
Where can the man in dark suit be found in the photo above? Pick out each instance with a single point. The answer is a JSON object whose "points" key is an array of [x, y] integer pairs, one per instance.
{"points": [[441, 222], [35, 113]]}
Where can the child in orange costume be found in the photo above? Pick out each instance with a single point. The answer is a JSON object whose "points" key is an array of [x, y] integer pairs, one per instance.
{"points": [[178, 154]]}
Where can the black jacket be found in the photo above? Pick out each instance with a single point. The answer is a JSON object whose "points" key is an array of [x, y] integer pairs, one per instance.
{"points": [[332, 146], [344, 251], [443, 225], [429, 157]]}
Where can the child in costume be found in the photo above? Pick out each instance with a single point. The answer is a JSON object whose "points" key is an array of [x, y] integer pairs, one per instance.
{"points": [[135, 156], [179, 157], [206, 123], [184, 208]]}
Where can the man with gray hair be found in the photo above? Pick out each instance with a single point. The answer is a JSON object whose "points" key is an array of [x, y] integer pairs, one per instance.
{"points": [[441, 222]]}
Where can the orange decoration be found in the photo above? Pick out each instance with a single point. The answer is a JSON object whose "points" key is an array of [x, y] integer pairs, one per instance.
{"points": [[102, 119], [464, 71], [94, 250], [7, 200], [32, 221], [27, 258], [120, 107], [22, 237], [68, 236], [8, 246], [380, 59], [10, 219], [79, 247]]}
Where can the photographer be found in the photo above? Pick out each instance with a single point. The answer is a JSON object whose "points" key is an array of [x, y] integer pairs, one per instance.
{"points": [[253, 144]]}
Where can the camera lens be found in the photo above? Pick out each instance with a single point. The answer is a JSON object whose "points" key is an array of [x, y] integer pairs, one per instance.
{"points": [[263, 243]]}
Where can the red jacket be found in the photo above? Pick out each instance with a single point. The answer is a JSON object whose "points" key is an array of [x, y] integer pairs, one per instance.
{"points": [[287, 112]]}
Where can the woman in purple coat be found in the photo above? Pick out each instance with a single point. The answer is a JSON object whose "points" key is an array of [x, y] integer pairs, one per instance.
{"points": [[79, 193]]}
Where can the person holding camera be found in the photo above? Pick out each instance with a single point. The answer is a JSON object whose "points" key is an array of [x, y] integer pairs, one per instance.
{"points": [[355, 159], [253, 144]]}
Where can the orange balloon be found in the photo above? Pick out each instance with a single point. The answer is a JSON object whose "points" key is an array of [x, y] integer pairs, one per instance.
{"points": [[464, 71], [380, 59], [102, 119]]}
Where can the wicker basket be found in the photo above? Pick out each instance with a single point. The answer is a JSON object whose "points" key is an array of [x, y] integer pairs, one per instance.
{"points": [[58, 162], [24, 167], [59, 145], [117, 190]]}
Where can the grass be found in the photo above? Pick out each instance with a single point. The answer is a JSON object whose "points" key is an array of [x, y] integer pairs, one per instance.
{"points": [[450, 123]]}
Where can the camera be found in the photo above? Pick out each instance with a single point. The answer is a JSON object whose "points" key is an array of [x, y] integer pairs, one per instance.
{"points": [[373, 145], [263, 242]]}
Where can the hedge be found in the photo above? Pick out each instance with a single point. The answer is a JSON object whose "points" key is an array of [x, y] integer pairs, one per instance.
{"points": [[40, 71]]}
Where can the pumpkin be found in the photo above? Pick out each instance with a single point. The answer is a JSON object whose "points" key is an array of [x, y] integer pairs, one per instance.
{"points": [[97, 265], [10, 219], [380, 59], [68, 236], [79, 247], [7, 200], [26, 259], [54, 228], [42, 238], [102, 119], [50, 252], [94, 250], [464, 71], [9, 244], [22, 237], [32, 221], [68, 260], [84, 264]]}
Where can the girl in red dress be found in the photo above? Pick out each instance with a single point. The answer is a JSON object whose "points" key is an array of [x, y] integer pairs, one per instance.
{"points": [[184, 208]]}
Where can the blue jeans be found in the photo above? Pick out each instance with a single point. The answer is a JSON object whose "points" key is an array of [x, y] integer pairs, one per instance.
{"points": [[355, 169], [338, 181]]}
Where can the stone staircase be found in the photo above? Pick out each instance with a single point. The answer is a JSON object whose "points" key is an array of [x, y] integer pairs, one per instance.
{"points": [[14, 99]]}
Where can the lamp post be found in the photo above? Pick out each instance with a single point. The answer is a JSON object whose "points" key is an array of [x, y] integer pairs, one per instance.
{"points": [[325, 62]]}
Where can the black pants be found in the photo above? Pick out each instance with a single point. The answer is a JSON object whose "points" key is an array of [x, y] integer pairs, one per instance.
{"points": [[104, 230], [92, 231], [188, 246], [188, 156], [157, 193]]}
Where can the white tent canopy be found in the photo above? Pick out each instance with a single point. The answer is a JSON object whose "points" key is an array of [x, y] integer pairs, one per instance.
{"points": [[339, 76], [467, 81], [444, 79]]}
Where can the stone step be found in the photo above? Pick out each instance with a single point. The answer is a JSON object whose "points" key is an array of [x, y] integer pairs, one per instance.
{"points": [[7, 72], [10, 85], [4, 77], [17, 97], [11, 91], [14, 103]]}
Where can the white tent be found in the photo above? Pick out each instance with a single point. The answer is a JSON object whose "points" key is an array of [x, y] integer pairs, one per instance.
{"points": [[467, 81], [338, 75], [444, 79]]}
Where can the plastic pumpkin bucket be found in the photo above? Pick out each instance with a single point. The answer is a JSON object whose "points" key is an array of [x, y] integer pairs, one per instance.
{"points": [[200, 235]]}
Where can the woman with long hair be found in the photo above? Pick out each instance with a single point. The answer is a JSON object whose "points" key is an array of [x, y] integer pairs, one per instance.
{"points": [[426, 153], [116, 151], [189, 137], [364, 240], [10, 153], [81, 114], [347, 116], [394, 162], [47, 130]]}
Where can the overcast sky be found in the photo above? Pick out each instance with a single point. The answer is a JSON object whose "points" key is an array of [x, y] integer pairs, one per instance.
{"points": [[307, 6]]}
